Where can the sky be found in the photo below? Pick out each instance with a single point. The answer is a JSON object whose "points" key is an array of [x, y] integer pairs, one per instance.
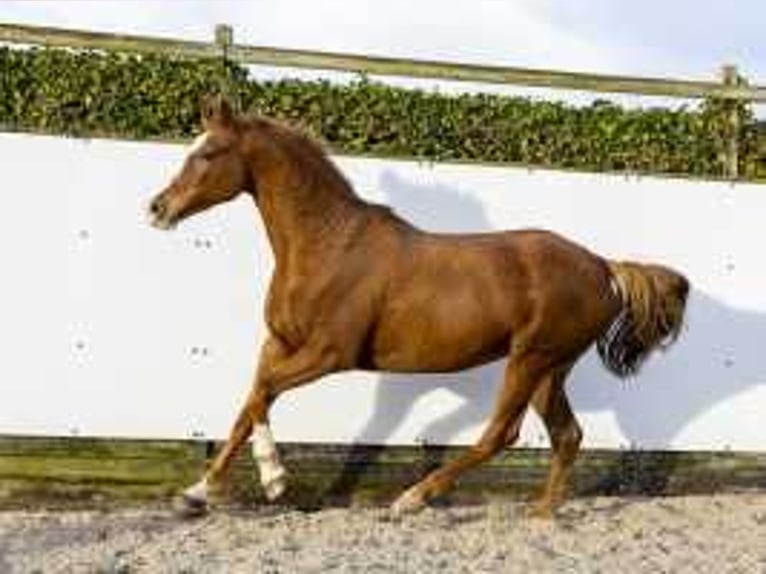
{"points": [[668, 38]]}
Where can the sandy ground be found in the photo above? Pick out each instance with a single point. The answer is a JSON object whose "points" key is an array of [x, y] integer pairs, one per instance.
{"points": [[701, 534]]}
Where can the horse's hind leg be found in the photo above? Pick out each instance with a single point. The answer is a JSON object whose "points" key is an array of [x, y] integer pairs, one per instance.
{"points": [[522, 376], [551, 403]]}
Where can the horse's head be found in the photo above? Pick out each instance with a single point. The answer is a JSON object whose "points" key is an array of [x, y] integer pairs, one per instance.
{"points": [[214, 170]]}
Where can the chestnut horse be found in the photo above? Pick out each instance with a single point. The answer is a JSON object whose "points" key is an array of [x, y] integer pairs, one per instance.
{"points": [[357, 287]]}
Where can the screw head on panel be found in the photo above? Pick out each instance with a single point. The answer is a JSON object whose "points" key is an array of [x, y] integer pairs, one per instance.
{"points": [[201, 243]]}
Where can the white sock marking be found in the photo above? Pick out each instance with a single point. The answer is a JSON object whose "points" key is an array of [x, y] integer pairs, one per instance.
{"points": [[266, 455]]}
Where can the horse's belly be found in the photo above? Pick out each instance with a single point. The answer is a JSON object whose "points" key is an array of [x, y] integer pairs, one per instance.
{"points": [[439, 342], [404, 361]]}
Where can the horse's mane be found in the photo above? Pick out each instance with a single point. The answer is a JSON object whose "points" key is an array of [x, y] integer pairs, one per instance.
{"points": [[302, 146], [316, 167]]}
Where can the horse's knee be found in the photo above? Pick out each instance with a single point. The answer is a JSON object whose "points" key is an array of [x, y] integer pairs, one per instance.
{"points": [[259, 408]]}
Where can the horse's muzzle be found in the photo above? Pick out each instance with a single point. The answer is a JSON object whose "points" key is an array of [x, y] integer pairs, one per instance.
{"points": [[159, 215]]}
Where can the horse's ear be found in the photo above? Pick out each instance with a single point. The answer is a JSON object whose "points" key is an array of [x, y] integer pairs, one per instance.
{"points": [[217, 112]]}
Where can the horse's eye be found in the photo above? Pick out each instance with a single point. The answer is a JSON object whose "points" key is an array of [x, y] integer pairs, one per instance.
{"points": [[210, 153]]}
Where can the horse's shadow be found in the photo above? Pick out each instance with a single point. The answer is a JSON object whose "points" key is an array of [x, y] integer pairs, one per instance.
{"points": [[717, 357], [649, 414]]}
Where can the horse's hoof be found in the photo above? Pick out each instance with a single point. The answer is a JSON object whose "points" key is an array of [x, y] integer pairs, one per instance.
{"points": [[408, 503], [275, 488], [186, 506]]}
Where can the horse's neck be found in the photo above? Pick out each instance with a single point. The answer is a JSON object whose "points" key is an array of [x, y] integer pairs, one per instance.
{"points": [[307, 206], [310, 225]]}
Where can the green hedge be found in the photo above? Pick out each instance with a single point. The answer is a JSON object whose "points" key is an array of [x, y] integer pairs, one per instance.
{"points": [[92, 93]]}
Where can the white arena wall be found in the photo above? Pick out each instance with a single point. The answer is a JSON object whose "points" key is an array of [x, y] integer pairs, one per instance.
{"points": [[109, 327]]}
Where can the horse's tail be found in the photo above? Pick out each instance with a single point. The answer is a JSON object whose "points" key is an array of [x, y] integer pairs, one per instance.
{"points": [[653, 304]]}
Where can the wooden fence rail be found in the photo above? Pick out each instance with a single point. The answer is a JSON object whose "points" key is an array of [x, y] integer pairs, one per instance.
{"points": [[244, 54]]}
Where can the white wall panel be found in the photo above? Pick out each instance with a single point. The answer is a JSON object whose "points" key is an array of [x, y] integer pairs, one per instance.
{"points": [[111, 328]]}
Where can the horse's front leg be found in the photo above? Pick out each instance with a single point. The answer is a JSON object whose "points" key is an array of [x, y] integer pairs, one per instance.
{"points": [[278, 371]]}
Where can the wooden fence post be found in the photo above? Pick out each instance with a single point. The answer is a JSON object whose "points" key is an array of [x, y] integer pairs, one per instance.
{"points": [[224, 39], [730, 78]]}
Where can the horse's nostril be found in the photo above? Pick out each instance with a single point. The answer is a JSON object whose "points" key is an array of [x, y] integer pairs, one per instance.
{"points": [[155, 207]]}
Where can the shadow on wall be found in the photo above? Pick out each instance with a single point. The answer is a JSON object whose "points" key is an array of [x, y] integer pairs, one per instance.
{"points": [[650, 411], [718, 356]]}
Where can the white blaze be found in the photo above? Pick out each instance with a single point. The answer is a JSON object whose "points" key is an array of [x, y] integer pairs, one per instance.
{"points": [[198, 143]]}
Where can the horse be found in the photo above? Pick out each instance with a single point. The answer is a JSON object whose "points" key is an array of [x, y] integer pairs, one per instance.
{"points": [[355, 286]]}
